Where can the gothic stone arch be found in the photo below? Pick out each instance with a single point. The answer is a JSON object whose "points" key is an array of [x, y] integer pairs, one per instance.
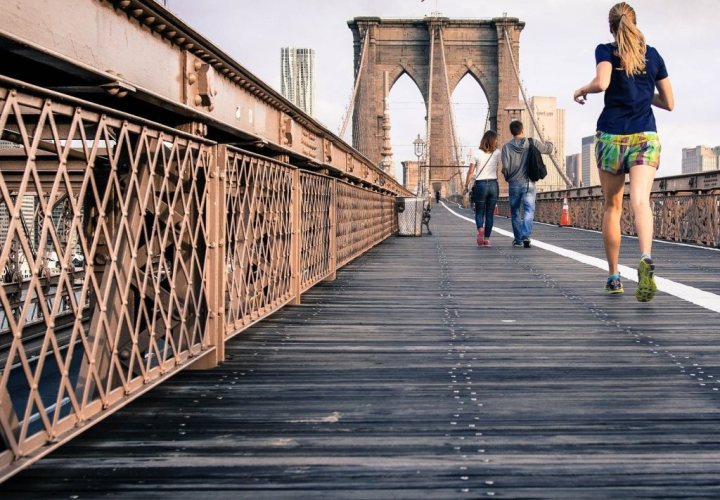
{"points": [[404, 46]]}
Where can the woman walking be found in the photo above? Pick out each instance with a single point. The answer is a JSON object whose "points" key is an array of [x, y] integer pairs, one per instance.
{"points": [[628, 71], [483, 173]]}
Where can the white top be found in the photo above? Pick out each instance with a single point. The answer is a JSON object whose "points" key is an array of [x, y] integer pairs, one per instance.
{"points": [[490, 169]]}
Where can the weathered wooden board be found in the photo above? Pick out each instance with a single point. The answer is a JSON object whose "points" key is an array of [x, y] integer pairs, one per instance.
{"points": [[434, 369]]}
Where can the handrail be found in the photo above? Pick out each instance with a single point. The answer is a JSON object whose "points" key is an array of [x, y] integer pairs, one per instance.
{"points": [[168, 246], [685, 208]]}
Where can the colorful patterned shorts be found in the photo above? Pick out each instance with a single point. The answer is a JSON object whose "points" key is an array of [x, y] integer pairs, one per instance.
{"points": [[617, 153]]}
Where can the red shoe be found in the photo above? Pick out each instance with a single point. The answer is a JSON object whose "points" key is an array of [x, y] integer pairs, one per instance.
{"points": [[486, 243], [481, 236]]}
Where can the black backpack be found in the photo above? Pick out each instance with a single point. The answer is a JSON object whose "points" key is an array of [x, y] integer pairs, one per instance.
{"points": [[535, 165]]}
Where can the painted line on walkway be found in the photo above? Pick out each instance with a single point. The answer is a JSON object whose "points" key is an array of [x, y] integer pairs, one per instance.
{"points": [[687, 293], [662, 242]]}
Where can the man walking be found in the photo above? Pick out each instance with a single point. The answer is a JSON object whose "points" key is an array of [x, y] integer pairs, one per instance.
{"points": [[521, 189]]}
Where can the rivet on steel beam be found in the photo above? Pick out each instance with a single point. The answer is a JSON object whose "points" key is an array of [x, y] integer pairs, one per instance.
{"points": [[180, 40], [137, 12], [124, 3]]}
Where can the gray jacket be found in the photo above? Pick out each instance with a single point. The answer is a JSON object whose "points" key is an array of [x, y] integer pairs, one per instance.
{"points": [[514, 158]]}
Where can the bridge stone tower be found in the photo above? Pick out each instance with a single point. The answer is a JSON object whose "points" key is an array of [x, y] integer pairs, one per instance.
{"points": [[436, 53]]}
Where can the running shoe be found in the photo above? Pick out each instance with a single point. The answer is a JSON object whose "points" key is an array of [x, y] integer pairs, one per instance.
{"points": [[517, 244], [526, 242], [614, 285], [480, 236], [646, 288], [486, 242]]}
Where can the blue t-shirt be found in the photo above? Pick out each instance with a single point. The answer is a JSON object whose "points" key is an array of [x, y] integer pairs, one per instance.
{"points": [[628, 100]]}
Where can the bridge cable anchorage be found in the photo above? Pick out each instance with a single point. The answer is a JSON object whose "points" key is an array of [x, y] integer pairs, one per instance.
{"points": [[567, 180], [351, 106], [455, 148]]}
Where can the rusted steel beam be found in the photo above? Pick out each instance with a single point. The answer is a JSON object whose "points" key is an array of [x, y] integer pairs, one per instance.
{"points": [[137, 49]]}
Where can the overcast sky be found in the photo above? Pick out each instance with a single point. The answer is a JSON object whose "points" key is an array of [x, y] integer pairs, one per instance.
{"points": [[556, 57]]}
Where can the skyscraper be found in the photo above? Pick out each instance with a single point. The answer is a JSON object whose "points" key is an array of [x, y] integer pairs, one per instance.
{"points": [[699, 159], [297, 77], [573, 168]]}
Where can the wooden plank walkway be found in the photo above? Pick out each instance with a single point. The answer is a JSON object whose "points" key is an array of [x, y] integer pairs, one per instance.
{"points": [[432, 368]]}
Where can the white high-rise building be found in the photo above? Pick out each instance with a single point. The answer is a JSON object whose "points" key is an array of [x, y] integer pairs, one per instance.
{"points": [[551, 121], [700, 159], [297, 77], [590, 174]]}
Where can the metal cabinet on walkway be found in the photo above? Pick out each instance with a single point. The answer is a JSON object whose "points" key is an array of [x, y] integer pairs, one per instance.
{"points": [[410, 214]]}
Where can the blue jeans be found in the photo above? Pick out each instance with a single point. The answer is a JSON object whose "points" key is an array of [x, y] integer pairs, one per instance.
{"points": [[522, 195], [485, 197]]}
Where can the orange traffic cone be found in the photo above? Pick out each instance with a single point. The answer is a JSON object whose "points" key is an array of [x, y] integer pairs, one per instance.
{"points": [[565, 217]]}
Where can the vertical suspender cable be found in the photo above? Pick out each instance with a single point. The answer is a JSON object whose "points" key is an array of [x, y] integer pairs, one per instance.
{"points": [[429, 103], [351, 106], [453, 136]]}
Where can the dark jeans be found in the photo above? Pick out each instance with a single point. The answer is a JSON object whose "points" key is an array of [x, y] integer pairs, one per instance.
{"points": [[485, 197]]}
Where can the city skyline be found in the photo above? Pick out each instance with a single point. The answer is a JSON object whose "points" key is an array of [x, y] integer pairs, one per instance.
{"points": [[549, 65], [297, 79]]}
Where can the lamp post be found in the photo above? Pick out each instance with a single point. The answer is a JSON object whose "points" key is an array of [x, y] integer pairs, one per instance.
{"points": [[420, 152]]}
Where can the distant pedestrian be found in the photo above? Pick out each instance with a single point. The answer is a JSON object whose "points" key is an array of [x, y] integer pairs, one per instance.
{"points": [[482, 174], [522, 190], [628, 71], [437, 197]]}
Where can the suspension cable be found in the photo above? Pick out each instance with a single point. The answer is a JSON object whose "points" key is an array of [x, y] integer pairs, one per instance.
{"points": [[453, 135], [428, 149], [567, 180], [351, 106]]}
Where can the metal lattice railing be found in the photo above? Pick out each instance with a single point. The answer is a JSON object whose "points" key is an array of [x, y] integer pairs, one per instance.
{"points": [[104, 241], [364, 219], [259, 227], [686, 209], [131, 250], [318, 227]]}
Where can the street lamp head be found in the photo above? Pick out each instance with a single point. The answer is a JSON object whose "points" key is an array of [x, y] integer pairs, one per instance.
{"points": [[419, 146]]}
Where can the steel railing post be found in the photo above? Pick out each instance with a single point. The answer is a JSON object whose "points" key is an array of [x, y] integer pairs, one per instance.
{"points": [[215, 280], [332, 232], [295, 237]]}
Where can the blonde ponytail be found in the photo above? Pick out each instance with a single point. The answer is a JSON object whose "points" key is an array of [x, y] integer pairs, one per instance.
{"points": [[631, 45]]}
